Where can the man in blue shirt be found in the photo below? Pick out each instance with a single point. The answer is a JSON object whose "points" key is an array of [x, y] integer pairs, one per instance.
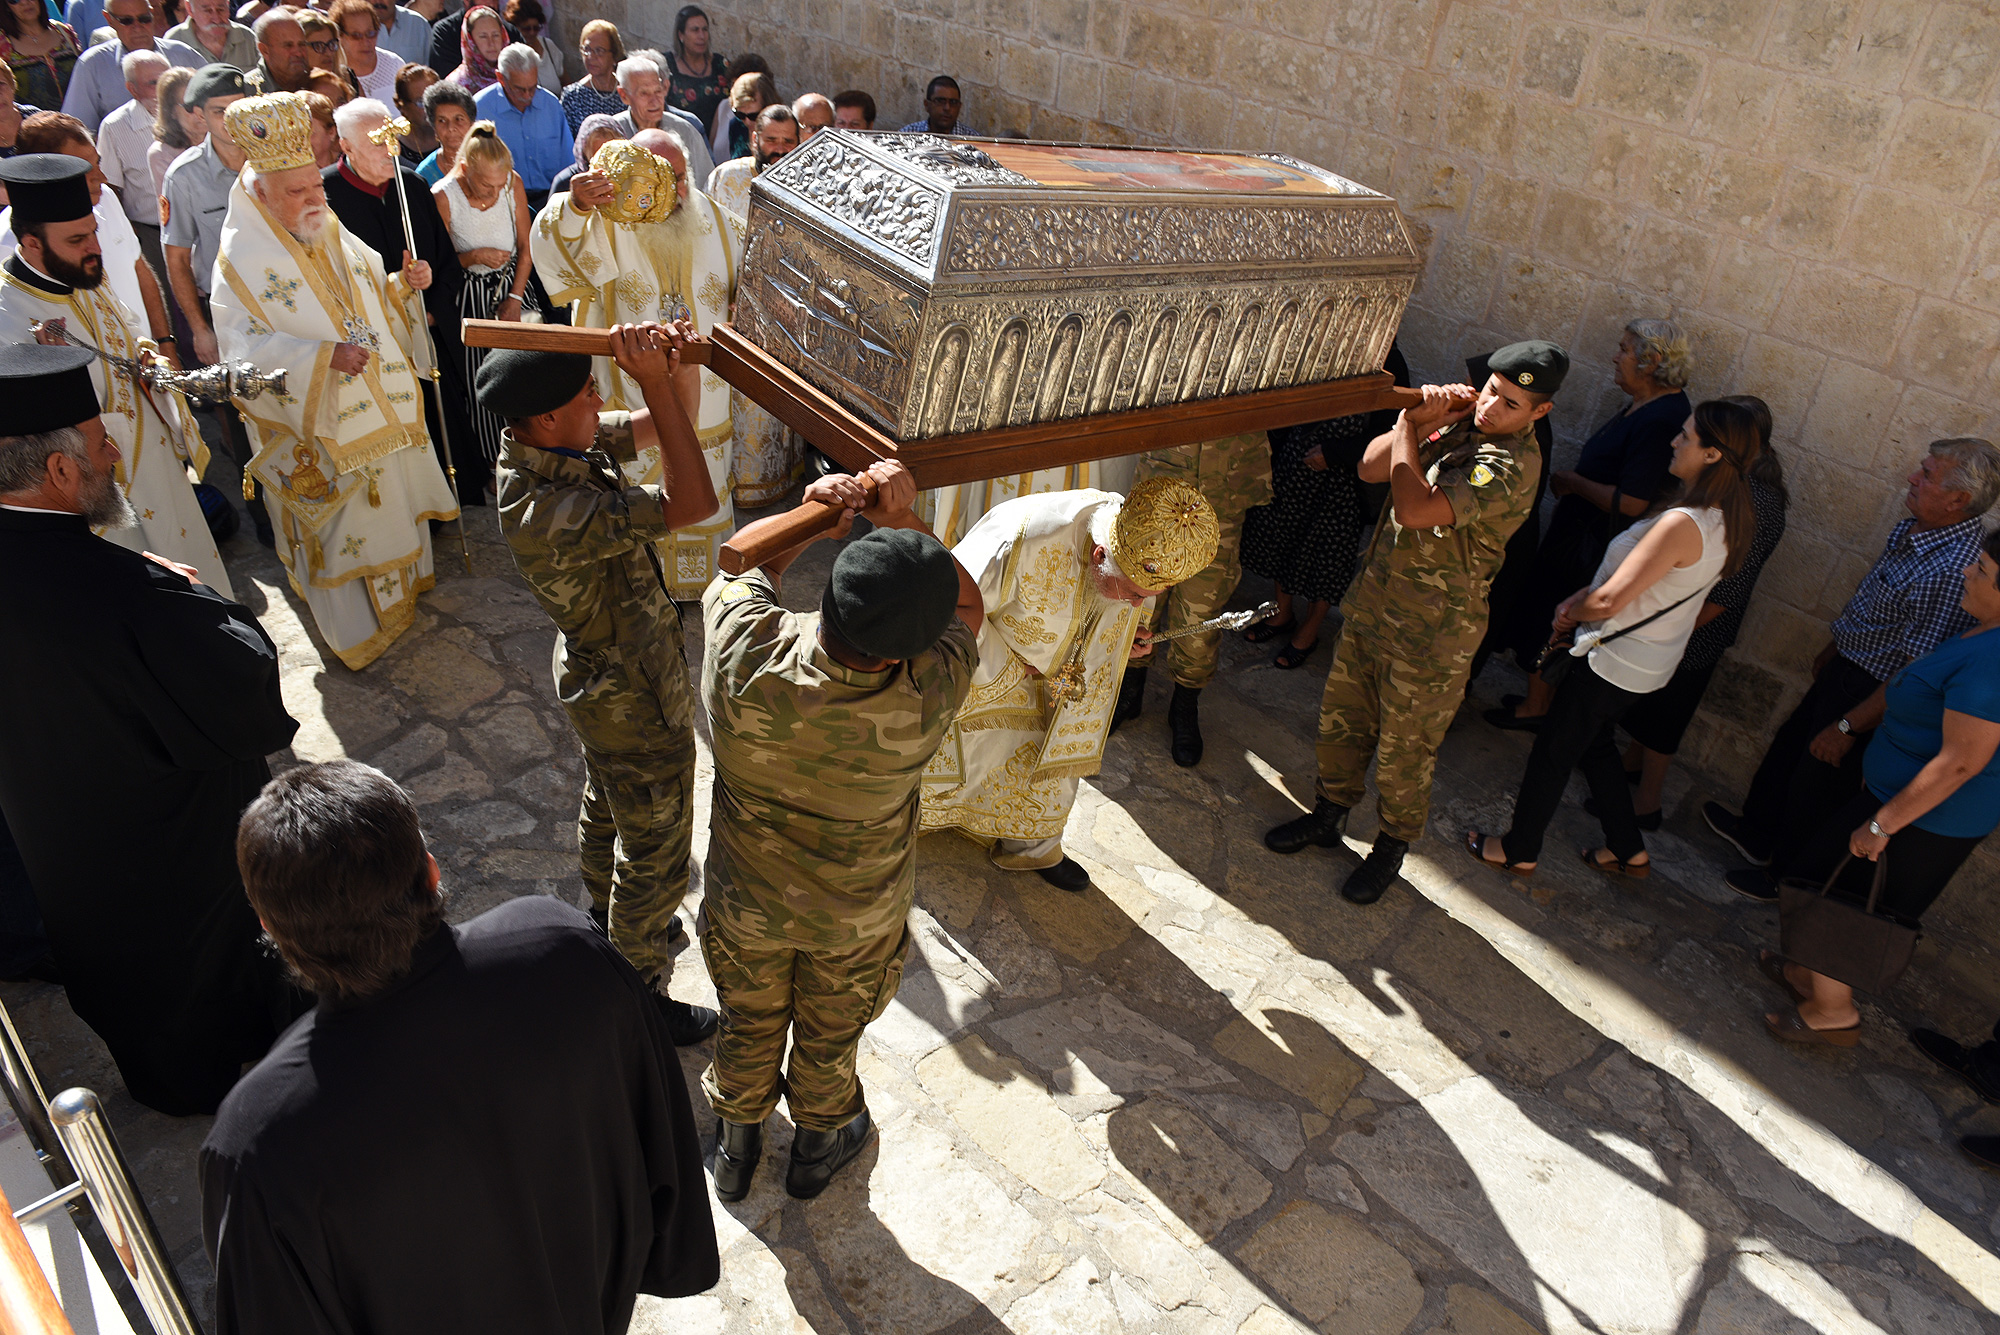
{"points": [[942, 103], [530, 121], [1906, 606], [97, 86]]}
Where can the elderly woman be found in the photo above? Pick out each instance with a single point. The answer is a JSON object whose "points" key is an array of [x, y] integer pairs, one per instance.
{"points": [[451, 112], [1617, 476], [1657, 723], [597, 91], [596, 131], [1627, 630], [1931, 793], [480, 41]]}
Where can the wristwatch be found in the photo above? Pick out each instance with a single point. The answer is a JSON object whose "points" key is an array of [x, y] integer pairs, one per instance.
{"points": [[1876, 830], [1846, 728]]}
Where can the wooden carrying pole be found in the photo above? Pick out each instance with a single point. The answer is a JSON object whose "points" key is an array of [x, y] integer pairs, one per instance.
{"points": [[940, 461], [27, 1304]]}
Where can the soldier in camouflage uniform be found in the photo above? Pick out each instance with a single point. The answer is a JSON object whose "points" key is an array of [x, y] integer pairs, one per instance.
{"points": [[583, 539], [1461, 470], [1234, 473], [822, 724]]}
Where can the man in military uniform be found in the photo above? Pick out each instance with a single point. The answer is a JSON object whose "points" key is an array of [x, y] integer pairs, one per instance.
{"points": [[583, 539], [1234, 473], [823, 724], [1461, 470]]}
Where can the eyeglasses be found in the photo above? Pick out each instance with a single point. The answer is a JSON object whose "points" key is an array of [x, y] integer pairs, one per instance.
{"points": [[368, 36], [323, 44], [129, 21]]}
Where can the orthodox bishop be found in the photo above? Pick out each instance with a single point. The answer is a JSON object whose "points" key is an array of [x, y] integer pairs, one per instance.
{"points": [[346, 463], [1063, 577], [58, 276], [632, 242]]}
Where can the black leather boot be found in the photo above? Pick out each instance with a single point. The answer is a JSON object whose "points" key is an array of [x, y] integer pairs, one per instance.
{"points": [[818, 1155], [1377, 871], [1321, 825], [686, 1025], [1184, 720], [1131, 697], [738, 1147]]}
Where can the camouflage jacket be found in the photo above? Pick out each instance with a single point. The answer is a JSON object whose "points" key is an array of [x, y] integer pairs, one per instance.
{"points": [[1421, 586], [817, 768], [1234, 472], [583, 539]]}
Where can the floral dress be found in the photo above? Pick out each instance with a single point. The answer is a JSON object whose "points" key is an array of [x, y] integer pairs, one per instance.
{"points": [[42, 80], [698, 95]]}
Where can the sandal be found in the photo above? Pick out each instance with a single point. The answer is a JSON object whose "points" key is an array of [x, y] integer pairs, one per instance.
{"points": [[1772, 965], [1269, 630], [1475, 844], [1618, 866], [1792, 1028], [1292, 656]]}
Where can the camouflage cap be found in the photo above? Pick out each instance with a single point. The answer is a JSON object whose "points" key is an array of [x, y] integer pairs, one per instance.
{"points": [[1165, 532], [892, 593]]}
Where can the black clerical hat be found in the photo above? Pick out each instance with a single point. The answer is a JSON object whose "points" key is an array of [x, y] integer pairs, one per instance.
{"points": [[46, 187], [45, 388]]}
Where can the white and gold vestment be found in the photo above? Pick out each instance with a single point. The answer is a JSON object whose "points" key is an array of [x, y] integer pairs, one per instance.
{"points": [[345, 460], [608, 274]]}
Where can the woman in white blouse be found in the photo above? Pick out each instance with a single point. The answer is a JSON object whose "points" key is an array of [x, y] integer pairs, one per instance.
{"points": [[1628, 630]]}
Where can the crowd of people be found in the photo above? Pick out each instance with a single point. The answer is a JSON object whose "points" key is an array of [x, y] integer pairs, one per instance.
{"points": [[333, 193]]}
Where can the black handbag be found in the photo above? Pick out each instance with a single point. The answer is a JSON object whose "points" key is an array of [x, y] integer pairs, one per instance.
{"points": [[1555, 660], [1848, 943]]}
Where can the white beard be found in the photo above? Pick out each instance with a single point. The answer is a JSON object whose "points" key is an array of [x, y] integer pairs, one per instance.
{"points": [[311, 225]]}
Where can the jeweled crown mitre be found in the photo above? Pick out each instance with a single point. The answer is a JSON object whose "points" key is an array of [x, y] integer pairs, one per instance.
{"points": [[273, 130], [645, 184], [1166, 531]]}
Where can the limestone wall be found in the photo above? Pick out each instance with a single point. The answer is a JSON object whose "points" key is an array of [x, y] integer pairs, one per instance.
{"points": [[1807, 185]]}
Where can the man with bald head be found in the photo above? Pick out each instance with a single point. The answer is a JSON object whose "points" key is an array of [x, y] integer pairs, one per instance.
{"points": [[814, 112], [632, 241], [97, 84]]}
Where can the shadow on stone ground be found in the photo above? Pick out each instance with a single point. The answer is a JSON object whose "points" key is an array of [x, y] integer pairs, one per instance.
{"points": [[1208, 1095]]}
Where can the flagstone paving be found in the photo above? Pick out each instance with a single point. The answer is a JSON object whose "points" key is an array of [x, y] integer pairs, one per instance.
{"points": [[1208, 1095]]}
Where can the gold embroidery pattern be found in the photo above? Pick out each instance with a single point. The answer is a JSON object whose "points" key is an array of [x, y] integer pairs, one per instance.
{"points": [[634, 290], [714, 293], [1026, 631], [591, 262]]}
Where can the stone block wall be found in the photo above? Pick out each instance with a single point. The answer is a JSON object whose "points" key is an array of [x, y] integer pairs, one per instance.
{"points": [[1809, 186]]}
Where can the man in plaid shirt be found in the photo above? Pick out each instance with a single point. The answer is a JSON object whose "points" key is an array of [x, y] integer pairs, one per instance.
{"points": [[1906, 606]]}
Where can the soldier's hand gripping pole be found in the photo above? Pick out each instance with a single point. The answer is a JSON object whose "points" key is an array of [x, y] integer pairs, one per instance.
{"points": [[386, 135]]}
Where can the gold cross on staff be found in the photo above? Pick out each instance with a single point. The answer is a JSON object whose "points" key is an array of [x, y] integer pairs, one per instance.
{"points": [[390, 131], [968, 456]]}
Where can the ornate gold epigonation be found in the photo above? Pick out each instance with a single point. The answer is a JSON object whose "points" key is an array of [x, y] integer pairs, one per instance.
{"points": [[936, 287]]}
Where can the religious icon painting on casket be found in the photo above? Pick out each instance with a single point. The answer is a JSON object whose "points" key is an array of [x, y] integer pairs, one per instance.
{"points": [[945, 285]]}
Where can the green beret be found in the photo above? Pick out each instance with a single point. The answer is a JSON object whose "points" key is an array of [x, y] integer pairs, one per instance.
{"points": [[216, 80], [1536, 364], [514, 383], [892, 593]]}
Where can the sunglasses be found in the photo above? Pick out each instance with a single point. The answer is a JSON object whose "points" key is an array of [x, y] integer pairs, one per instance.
{"points": [[323, 44], [129, 21]]}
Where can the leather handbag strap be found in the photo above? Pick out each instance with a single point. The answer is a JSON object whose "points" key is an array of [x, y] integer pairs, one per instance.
{"points": [[1874, 888], [1623, 631]]}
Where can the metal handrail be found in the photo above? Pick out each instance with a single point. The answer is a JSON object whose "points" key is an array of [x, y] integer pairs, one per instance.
{"points": [[28, 1305], [24, 1092], [115, 1200]]}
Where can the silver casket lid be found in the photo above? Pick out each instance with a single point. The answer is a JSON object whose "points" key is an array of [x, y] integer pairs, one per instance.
{"points": [[944, 285]]}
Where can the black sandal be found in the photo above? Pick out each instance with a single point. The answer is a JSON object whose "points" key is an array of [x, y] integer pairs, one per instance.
{"points": [[1265, 631], [1618, 866], [1292, 656], [1475, 844]]}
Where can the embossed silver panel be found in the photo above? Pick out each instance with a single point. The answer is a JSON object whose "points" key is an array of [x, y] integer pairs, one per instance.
{"points": [[945, 285]]}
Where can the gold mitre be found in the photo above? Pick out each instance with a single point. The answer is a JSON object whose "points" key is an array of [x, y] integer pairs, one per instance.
{"points": [[1165, 532], [273, 130], [645, 184]]}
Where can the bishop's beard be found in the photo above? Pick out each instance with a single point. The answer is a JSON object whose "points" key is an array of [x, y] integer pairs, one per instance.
{"points": [[668, 246]]}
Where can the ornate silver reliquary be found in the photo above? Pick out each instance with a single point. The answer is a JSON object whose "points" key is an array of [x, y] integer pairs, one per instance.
{"points": [[944, 285]]}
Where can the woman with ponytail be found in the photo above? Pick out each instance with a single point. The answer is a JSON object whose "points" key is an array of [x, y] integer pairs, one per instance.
{"points": [[1625, 635]]}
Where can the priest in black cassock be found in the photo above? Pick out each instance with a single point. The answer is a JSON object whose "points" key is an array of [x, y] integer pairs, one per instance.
{"points": [[361, 191], [480, 1128], [138, 707]]}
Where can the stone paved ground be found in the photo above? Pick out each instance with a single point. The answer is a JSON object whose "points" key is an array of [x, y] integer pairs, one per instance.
{"points": [[1208, 1095]]}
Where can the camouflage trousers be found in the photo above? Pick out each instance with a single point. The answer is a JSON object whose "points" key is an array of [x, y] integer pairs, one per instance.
{"points": [[1385, 703], [1234, 474], [824, 998], [635, 839]]}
